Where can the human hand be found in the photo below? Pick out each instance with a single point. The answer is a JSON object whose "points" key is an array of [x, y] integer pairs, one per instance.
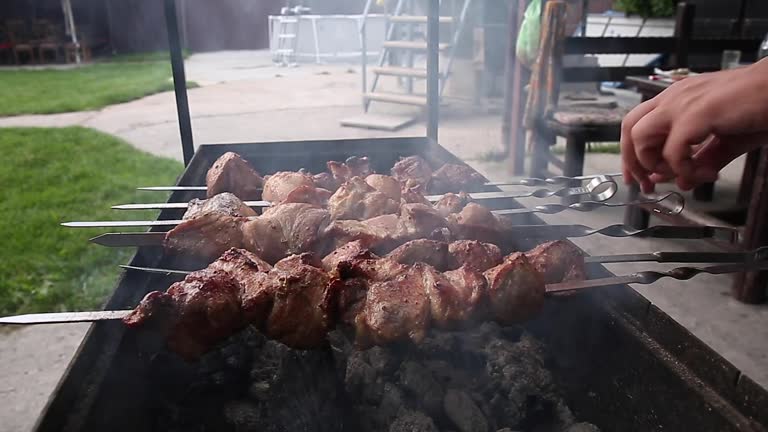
{"points": [[690, 131]]}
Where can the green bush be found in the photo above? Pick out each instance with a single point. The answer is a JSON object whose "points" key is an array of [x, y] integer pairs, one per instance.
{"points": [[647, 8]]}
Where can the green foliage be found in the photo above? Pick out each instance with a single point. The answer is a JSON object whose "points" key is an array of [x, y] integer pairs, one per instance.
{"points": [[52, 175], [647, 8], [84, 88]]}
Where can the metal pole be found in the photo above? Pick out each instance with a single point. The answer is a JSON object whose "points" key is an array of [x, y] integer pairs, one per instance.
{"points": [[433, 69], [179, 81]]}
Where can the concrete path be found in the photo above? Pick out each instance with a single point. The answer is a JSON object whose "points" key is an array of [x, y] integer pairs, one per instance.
{"points": [[245, 99]]}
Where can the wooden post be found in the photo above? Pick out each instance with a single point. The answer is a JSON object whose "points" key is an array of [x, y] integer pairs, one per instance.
{"points": [[751, 287], [515, 78]]}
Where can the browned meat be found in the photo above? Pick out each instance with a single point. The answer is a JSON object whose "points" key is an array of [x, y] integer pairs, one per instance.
{"points": [[431, 252], [224, 203], [515, 290], [377, 232], [452, 203], [308, 195], [207, 236], [475, 222], [558, 261], [349, 252], [285, 229], [371, 269], [413, 193], [206, 310], [155, 307], [353, 167], [385, 184], [413, 168], [453, 295], [474, 254], [232, 173], [355, 199], [455, 178], [278, 186], [240, 263], [396, 309], [300, 316], [325, 180], [419, 220]]}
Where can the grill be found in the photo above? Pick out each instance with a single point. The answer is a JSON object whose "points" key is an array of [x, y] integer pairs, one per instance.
{"points": [[604, 356]]}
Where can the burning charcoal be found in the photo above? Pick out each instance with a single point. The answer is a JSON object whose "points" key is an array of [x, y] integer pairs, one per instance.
{"points": [[506, 430], [260, 390], [422, 385], [412, 421], [361, 379], [463, 412], [383, 360], [391, 401], [243, 416], [583, 427], [439, 344], [235, 356]]}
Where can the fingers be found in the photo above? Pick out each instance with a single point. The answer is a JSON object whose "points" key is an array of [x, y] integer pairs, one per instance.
{"points": [[631, 168]]}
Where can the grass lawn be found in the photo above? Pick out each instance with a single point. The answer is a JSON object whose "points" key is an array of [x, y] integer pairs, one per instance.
{"points": [[89, 87], [51, 175]]}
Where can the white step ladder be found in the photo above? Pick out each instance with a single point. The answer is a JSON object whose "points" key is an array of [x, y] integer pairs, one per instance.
{"points": [[405, 38]]}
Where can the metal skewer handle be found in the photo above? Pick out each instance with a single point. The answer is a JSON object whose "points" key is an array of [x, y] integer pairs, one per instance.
{"points": [[675, 205]]}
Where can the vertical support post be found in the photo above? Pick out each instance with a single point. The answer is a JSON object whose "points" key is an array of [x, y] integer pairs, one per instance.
{"points": [[683, 31], [179, 81], [515, 78], [433, 69], [751, 287]]}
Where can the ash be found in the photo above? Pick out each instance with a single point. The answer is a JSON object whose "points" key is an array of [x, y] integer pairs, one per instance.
{"points": [[485, 379]]}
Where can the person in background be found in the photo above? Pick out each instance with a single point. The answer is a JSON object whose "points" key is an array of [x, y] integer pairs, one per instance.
{"points": [[694, 128]]}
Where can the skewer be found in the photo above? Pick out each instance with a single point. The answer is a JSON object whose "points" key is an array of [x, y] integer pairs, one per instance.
{"points": [[644, 278], [744, 258], [529, 181], [599, 189], [544, 232], [675, 206]]}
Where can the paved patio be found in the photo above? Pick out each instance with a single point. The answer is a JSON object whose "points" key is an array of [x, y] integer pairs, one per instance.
{"points": [[245, 99]]}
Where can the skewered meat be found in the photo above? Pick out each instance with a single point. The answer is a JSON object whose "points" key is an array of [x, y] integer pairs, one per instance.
{"points": [[385, 184], [207, 236], [453, 177], [297, 302], [225, 203], [452, 203], [558, 261], [287, 186], [414, 169], [350, 251], [285, 229], [232, 173], [475, 222], [356, 199], [515, 289], [432, 252], [341, 172], [474, 254]]}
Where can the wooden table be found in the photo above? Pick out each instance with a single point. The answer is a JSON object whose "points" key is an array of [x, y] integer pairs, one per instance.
{"points": [[752, 199]]}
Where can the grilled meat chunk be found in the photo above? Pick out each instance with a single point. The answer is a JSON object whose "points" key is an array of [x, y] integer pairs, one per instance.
{"points": [[385, 184], [394, 309], [455, 178], [206, 236], [351, 251], [232, 173], [414, 169], [413, 193], [452, 203], [356, 199], [474, 254], [558, 261], [280, 186], [380, 232], [204, 309], [285, 229], [475, 222], [354, 166], [453, 295], [515, 290], [300, 315], [224, 203], [434, 253]]}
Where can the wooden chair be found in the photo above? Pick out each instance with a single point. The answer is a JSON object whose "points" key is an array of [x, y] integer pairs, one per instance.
{"points": [[582, 124], [21, 39], [48, 36]]}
